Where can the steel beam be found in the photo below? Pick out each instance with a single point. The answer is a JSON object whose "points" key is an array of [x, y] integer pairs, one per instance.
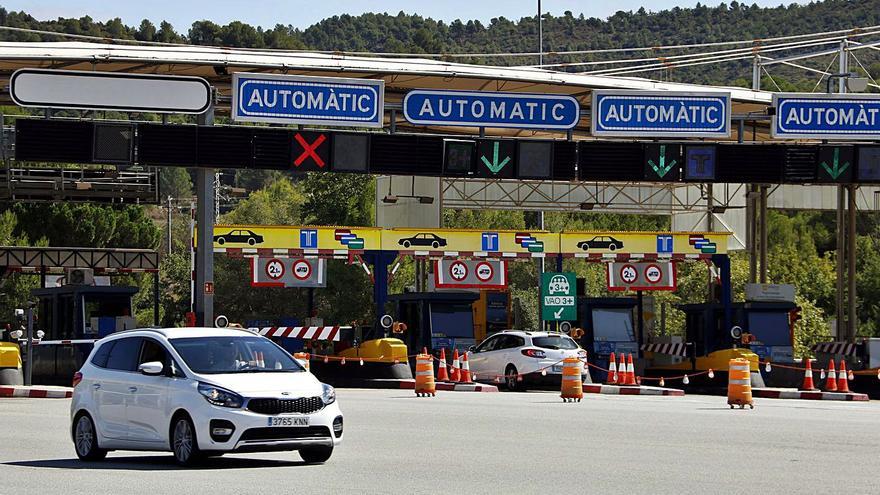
{"points": [[205, 238]]}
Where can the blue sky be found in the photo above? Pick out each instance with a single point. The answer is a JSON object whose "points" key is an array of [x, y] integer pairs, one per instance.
{"points": [[267, 13]]}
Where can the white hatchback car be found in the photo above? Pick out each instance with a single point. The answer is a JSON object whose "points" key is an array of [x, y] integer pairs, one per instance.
{"points": [[200, 392], [519, 357]]}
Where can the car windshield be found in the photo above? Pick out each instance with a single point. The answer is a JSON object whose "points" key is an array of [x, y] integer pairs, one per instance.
{"points": [[215, 355], [554, 342]]}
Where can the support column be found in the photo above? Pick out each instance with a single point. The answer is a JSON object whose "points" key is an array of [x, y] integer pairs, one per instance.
{"points": [[852, 321], [156, 298], [841, 264], [764, 234], [722, 262], [380, 260], [205, 237], [752, 231], [540, 262]]}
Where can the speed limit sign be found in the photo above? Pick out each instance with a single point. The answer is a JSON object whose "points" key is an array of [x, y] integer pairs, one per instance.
{"points": [[458, 271], [275, 269], [302, 269], [628, 273]]}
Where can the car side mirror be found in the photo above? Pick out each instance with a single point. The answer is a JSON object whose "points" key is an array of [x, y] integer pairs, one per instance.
{"points": [[151, 368]]}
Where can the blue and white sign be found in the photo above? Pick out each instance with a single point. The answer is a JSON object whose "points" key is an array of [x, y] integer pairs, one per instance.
{"points": [[331, 101], [491, 109], [824, 116], [628, 113]]}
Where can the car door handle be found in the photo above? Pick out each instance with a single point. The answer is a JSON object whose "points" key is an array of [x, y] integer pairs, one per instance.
{"points": [[132, 389], [96, 386]]}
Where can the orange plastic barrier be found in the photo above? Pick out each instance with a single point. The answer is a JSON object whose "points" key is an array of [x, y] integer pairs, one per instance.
{"points": [[303, 358], [425, 385], [739, 384], [572, 386]]}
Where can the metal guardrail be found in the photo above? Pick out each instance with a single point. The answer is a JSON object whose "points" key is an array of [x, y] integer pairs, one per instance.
{"points": [[93, 185]]}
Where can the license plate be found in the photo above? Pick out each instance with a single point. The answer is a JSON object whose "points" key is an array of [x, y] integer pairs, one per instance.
{"points": [[557, 368], [289, 421]]}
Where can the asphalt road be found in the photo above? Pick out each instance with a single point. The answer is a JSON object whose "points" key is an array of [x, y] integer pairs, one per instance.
{"points": [[469, 443]]}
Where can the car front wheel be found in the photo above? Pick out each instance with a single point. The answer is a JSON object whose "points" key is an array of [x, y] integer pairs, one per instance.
{"points": [[511, 379], [221, 241], [406, 244], [183, 442], [85, 439], [316, 455]]}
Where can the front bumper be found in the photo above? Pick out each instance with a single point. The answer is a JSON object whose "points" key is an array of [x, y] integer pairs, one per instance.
{"points": [[254, 433]]}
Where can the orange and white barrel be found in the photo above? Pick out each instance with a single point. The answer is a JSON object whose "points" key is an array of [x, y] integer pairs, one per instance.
{"points": [[739, 384], [425, 376], [303, 358], [572, 384]]}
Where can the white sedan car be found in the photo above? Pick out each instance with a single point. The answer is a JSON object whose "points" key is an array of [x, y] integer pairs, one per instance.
{"points": [[518, 357], [200, 392]]}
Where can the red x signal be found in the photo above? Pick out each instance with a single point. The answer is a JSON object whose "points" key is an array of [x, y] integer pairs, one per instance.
{"points": [[309, 150]]}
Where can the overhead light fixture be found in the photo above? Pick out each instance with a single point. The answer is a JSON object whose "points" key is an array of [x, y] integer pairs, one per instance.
{"points": [[389, 199]]}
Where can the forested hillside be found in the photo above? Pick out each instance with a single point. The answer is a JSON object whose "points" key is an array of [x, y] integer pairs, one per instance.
{"points": [[415, 34]]}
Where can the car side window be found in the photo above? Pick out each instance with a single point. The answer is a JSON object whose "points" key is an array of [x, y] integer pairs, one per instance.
{"points": [[504, 343], [488, 344], [102, 354], [124, 354], [153, 351], [517, 341]]}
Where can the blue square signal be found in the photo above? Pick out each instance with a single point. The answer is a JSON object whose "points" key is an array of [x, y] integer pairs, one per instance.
{"points": [[700, 163], [308, 238], [664, 244], [490, 241]]}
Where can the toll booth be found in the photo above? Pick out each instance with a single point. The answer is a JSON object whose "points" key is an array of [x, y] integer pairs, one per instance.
{"points": [[609, 326], [76, 312], [768, 322], [436, 319]]}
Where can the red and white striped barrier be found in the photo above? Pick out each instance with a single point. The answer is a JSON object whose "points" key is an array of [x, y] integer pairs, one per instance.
{"points": [[837, 348], [678, 349], [36, 392], [595, 388], [308, 333], [778, 393]]}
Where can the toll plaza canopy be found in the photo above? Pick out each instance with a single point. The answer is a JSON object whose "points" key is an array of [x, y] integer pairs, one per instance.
{"points": [[217, 65]]}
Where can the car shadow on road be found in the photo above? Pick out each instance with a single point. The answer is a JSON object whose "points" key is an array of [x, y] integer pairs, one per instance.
{"points": [[156, 463]]}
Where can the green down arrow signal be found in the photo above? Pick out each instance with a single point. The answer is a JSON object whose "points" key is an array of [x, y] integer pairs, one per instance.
{"points": [[836, 170], [495, 167], [662, 169]]}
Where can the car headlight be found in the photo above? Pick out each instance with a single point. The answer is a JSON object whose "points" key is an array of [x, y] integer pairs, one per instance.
{"points": [[328, 395], [219, 396]]}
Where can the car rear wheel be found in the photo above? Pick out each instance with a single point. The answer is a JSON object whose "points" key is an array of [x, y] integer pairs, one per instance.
{"points": [[85, 439], [612, 247], [251, 241], [511, 379], [435, 244], [316, 455], [184, 445]]}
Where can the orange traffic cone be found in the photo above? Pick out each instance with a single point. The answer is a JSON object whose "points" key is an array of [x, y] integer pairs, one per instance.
{"points": [[630, 371], [831, 381], [612, 370], [465, 369], [842, 385], [808, 376], [455, 373], [442, 372]]}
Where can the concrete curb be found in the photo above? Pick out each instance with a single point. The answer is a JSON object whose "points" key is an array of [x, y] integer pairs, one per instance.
{"points": [[631, 390], [782, 393], [444, 386], [36, 392]]}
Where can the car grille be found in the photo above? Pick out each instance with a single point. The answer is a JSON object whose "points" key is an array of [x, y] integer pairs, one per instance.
{"points": [[256, 434], [303, 405]]}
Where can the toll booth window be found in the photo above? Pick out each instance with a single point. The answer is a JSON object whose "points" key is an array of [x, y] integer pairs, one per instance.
{"points": [[452, 320], [46, 319], [613, 325], [770, 328]]}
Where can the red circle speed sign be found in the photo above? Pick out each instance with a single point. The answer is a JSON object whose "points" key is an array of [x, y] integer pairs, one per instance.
{"points": [[653, 273], [629, 274], [458, 270], [484, 271], [274, 269], [302, 269]]}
